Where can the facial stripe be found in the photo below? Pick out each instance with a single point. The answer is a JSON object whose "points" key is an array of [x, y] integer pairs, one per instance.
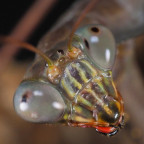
{"points": [[93, 72], [82, 73], [73, 80], [82, 119], [85, 102], [75, 74], [99, 82], [110, 87], [107, 109], [99, 100], [68, 89], [81, 113], [98, 88], [92, 92], [86, 69]]}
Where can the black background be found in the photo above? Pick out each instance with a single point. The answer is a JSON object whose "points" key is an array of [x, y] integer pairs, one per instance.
{"points": [[11, 12]]}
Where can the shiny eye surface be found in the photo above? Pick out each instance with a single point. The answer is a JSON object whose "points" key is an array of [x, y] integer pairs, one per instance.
{"points": [[38, 102], [99, 44]]}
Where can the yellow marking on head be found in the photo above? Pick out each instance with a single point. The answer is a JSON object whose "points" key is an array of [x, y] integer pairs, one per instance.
{"points": [[105, 107], [77, 109], [68, 89], [94, 94], [65, 116], [81, 119], [83, 101], [100, 85], [73, 80], [115, 90], [93, 71], [81, 72], [118, 105], [107, 110]]}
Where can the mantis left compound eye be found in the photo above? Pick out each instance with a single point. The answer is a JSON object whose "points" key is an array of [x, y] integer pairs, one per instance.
{"points": [[99, 45]]}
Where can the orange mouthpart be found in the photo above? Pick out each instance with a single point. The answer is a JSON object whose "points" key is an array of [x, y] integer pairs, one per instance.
{"points": [[105, 130]]}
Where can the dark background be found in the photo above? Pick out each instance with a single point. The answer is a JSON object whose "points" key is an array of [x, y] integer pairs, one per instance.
{"points": [[11, 12]]}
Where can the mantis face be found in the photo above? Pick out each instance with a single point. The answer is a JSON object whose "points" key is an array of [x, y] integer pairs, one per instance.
{"points": [[78, 89]]}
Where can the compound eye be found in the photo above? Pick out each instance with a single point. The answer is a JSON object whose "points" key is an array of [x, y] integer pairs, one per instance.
{"points": [[99, 44], [38, 102]]}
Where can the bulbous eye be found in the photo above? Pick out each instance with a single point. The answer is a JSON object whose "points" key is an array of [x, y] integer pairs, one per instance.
{"points": [[99, 43], [38, 102]]}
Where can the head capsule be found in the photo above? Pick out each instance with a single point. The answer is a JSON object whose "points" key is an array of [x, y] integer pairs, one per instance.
{"points": [[40, 102], [85, 79]]}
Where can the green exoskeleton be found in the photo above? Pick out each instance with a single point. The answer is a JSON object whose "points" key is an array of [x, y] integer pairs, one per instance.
{"points": [[74, 86]]}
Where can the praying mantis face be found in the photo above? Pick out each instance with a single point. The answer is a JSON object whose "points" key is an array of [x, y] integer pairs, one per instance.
{"points": [[80, 91]]}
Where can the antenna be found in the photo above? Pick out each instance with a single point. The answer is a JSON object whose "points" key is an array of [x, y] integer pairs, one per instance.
{"points": [[82, 15], [6, 39]]}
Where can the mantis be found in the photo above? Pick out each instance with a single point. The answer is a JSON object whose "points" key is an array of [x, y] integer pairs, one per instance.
{"points": [[46, 77]]}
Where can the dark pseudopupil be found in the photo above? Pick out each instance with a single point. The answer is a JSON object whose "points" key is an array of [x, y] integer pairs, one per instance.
{"points": [[86, 43], [24, 98], [94, 29]]}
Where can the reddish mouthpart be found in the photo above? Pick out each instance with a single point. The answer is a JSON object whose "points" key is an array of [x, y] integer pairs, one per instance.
{"points": [[105, 130]]}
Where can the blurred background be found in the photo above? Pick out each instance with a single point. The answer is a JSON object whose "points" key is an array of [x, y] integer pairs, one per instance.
{"points": [[14, 130]]}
